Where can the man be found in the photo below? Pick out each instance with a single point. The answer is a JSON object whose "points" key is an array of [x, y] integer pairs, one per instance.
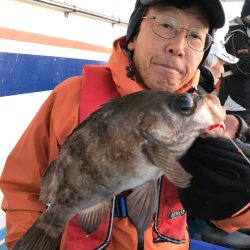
{"points": [[210, 80], [215, 61], [213, 69], [235, 90], [165, 43]]}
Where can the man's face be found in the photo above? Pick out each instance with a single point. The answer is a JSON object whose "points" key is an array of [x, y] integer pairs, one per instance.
{"points": [[167, 64]]}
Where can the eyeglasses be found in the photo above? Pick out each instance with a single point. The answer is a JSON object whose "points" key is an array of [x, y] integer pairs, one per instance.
{"points": [[167, 27]]}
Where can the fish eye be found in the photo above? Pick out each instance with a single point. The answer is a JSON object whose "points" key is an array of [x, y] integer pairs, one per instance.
{"points": [[185, 104]]}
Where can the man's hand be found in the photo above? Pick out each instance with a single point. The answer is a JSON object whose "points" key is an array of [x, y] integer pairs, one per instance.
{"points": [[221, 178], [231, 126]]}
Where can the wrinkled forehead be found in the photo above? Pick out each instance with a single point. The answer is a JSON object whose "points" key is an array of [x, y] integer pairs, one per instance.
{"points": [[195, 10]]}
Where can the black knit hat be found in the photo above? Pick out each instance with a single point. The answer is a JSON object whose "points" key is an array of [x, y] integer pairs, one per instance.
{"points": [[213, 9], [245, 9]]}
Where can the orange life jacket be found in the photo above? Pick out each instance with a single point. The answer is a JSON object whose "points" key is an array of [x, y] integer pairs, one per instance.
{"points": [[169, 223]]}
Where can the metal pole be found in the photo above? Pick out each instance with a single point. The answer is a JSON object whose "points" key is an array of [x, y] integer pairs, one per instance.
{"points": [[73, 8]]}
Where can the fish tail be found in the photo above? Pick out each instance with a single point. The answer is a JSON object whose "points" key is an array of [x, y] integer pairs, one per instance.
{"points": [[36, 238]]}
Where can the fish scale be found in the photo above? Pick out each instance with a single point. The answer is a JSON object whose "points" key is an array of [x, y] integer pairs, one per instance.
{"points": [[125, 145]]}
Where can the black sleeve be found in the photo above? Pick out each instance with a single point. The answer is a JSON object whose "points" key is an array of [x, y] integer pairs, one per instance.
{"points": [[220, 186], [206, 80], [223, 92], [238, 45], [243, 132]]}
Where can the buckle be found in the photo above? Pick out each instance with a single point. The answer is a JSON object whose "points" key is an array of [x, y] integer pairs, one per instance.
{"points": [[120, 207]]}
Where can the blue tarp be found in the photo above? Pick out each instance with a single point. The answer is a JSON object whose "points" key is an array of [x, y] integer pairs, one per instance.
{"points": [[200, 245]]}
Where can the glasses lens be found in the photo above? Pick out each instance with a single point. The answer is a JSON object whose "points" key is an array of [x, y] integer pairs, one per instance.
{"points": [[168, 27], [208, 42], [165, 27], [198, 40]]}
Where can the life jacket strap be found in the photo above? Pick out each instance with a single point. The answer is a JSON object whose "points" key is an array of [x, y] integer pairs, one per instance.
{"points": [[120, 207]]}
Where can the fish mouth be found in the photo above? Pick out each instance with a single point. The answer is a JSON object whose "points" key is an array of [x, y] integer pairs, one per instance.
{"points": [[210, 111], [218, 112]]}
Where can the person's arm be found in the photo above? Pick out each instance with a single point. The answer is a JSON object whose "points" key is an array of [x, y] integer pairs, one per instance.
{"points": [[243, 131], [240, 219], [235, 223], [21, 177], [238, 45], [219, 190]]}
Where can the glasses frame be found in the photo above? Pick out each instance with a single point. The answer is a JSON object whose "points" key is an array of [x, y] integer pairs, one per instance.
{"points": [[180, 28]]}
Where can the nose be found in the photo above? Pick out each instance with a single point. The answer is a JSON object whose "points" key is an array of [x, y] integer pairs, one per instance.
{"points": [[177, 45]]}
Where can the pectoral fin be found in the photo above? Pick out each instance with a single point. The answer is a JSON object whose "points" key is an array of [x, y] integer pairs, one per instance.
{"points": [[49, 184], [160, 156], [141, 205], [89, 219]]}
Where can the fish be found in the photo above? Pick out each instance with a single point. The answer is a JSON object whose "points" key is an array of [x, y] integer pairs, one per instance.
{"points": [[127, 144]]}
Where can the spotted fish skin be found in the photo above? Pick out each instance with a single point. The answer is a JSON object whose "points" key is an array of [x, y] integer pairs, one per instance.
{"points": [[126, 144]]}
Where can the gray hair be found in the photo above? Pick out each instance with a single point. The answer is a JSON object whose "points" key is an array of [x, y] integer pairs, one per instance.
{"points": [[211, 60]]}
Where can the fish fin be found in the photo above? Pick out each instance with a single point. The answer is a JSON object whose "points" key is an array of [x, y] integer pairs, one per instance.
{"points": [[36, 238], [89, 219], [160, 156], [141, 205], [49, 183]]}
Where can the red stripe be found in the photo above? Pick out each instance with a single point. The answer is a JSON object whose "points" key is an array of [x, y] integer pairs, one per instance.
{"points": [[23, 36]]}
